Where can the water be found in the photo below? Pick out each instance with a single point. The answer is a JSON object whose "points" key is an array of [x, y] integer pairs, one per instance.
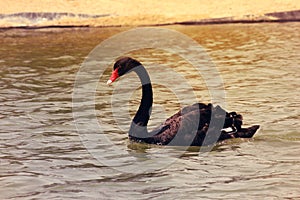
{"points": [[43, 156]]}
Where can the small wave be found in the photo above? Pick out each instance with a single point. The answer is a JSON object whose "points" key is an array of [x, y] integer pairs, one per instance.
{"points": [[48, 15]]}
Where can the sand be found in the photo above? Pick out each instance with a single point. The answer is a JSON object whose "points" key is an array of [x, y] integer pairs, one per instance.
{"points": [[135, 12]]}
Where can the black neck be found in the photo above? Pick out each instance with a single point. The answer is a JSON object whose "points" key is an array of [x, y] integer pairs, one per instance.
{"points": [[139, 123]]}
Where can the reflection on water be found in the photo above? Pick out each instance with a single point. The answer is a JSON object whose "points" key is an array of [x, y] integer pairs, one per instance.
{"points": [[41, 152]]}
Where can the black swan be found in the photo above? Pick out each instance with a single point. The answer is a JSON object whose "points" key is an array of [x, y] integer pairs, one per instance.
{"points": [[189, 127]]}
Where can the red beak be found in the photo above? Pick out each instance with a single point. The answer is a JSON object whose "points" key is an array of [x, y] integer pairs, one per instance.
{"points": [[113, 77]]}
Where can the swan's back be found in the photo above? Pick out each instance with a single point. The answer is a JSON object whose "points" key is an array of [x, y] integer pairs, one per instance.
{"points": [[190, 126]]}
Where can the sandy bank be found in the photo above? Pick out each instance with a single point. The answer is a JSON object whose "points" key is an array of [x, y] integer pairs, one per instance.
{"points": [[37, 13]]}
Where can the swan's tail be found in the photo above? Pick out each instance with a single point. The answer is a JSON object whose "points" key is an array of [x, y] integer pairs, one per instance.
{"points": [[246, 132], [233, 126]]}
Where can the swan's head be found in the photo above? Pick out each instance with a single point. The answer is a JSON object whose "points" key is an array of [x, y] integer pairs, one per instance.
{"points": [[121, 67]]}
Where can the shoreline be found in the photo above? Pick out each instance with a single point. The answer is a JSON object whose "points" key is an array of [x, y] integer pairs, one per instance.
{"points": [[146, 25], [138, 13], [276, 17]]}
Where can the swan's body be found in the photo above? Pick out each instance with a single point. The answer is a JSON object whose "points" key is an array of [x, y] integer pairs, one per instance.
{"points": [[195, 125]]}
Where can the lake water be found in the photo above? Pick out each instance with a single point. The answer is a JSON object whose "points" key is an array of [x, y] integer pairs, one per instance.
{"points": [[44, 156]]}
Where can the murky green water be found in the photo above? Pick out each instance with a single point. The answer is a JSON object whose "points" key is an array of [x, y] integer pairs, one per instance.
{"points": [[42, 156]]}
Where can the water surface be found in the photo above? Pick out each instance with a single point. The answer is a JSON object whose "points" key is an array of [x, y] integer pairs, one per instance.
{"points": [[42, 155]]}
